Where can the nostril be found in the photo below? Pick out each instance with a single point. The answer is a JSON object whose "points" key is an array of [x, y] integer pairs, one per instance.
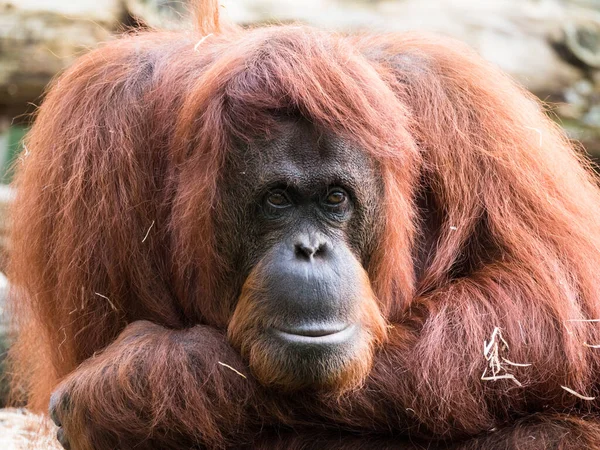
{"points": [[309, 251], [321, 248], [305, 251]]}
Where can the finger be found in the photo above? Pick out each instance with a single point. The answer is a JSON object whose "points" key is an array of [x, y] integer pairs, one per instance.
{"points": [[61, 436], [58, 406], [54, 407]]}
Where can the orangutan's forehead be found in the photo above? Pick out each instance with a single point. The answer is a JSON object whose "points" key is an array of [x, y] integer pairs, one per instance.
{"points": [[300, 152]]}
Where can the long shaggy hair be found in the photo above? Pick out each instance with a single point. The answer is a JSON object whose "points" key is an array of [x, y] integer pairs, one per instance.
{"points": [[113, 220]]}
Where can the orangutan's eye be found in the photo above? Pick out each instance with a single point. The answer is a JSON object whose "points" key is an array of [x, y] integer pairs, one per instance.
{"points": [[336, 197], [278, 199]]}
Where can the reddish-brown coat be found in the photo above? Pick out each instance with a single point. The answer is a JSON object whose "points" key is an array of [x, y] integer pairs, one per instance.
{"points": [[133, 136]]}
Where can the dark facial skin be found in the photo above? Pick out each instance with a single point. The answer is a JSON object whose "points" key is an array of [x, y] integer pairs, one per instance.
{"points": [[305, 207]]}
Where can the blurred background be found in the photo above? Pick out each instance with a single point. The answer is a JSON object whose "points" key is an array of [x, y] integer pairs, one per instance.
{"points": [[552, 47]]}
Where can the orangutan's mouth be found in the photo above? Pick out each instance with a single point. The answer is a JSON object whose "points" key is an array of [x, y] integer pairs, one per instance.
{"points": [[317, 333]]}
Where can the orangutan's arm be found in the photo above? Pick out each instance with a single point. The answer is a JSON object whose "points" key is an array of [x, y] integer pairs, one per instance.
{"points": [[156, 388], [429, 377]]}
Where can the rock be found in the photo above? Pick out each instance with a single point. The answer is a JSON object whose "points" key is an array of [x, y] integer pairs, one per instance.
{"points": [[40, 38], [21, 430]]}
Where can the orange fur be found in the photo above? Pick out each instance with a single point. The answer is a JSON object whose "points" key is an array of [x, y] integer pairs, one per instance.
{"points": [[113, 224]]}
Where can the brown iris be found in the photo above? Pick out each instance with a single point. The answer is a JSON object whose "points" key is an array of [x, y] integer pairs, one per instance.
{"points": [[335, 197], [278, 200]]}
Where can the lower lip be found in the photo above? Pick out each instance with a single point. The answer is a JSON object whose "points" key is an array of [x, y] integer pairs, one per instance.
{"points": [[332, 338]]}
